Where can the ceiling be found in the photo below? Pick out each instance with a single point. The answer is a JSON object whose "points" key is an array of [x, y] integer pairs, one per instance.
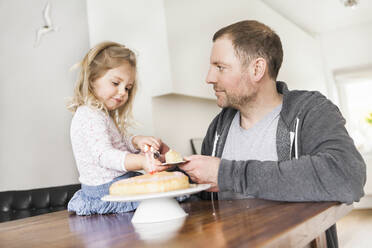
{"points": [[320, 16]]}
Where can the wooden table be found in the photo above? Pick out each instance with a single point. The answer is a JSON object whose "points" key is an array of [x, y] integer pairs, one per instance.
{"points": [[237, 223]]}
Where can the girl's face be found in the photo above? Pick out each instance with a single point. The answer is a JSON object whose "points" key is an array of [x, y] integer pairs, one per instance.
{"points": [[112, 89]]}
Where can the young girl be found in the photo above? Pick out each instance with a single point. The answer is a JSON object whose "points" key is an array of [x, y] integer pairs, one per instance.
{"points": [[104, 153]]}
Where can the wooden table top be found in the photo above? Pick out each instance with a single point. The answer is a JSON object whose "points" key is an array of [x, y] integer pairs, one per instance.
{"points": [[247, 222]]}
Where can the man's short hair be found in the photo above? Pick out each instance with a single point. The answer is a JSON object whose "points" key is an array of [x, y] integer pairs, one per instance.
{"points": [[252, 39]]}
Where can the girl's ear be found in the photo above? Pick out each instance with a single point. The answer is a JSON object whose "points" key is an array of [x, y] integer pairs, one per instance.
{"points": [[257, 69]]}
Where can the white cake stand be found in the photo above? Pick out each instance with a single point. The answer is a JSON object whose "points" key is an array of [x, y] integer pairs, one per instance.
{"points": [[158, 207]]}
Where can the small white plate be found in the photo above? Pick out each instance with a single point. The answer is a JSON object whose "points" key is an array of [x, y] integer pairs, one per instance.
{"points": [[175, 163], [194, 188]]}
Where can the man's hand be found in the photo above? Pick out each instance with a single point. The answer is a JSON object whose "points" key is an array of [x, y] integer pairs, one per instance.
{"points": [[202, 169]]}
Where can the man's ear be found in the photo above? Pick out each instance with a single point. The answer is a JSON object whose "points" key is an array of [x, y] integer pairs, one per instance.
{"points": [[258, 69]]}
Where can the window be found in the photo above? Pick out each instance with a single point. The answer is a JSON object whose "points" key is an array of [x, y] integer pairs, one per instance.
{"points": [[355, 97]]}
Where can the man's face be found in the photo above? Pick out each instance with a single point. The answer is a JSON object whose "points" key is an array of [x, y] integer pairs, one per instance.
{"points": [[230, 80]]}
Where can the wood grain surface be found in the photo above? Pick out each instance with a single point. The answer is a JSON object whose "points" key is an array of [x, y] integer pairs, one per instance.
{"points": [[237, 223]]}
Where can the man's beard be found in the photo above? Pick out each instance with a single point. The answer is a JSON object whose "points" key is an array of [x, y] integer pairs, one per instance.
{"points": [[237, 102]]}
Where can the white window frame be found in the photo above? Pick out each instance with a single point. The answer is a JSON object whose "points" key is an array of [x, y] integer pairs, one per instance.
{"points": [[359, 129]]}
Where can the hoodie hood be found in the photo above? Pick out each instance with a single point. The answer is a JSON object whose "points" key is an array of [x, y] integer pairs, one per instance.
{"points": [[295, 101]]}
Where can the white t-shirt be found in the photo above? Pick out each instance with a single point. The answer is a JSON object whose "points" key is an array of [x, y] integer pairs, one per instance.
{"points": [[99, 148]]}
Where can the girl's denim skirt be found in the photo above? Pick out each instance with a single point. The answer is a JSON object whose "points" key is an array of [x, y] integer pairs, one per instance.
{"points": [[88, 201]]}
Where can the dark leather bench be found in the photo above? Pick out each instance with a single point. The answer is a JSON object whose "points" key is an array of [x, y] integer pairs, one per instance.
{"points": [[20, 204]]}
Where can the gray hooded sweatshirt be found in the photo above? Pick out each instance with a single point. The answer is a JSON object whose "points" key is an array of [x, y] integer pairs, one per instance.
{"points": [[317, 159]]}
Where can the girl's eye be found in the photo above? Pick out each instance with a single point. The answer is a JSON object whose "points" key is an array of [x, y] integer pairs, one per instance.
{"points": [[115, 83], [127, 89]]}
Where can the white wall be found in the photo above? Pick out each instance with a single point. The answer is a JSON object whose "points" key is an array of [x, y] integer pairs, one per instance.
{"points": [[346, 49], [179, 118], [191, 25], [140, 25], [35, 150]]}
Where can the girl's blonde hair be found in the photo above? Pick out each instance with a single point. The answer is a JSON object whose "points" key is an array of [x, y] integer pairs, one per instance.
{"points": [[101, 58]]}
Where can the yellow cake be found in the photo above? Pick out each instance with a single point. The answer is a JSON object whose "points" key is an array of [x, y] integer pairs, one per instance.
{"points": [[150, 183], [173, 157]]}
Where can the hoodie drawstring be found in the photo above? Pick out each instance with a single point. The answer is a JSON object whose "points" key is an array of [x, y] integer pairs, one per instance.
{"points": [[216, 137], [294, 137]]}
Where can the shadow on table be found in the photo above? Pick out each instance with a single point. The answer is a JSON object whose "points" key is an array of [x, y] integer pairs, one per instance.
{"points": [[105, 230]]}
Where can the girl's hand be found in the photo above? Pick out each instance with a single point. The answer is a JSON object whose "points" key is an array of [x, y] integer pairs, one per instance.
{"points": [[164, 148], [152, 165], [140, 142]]}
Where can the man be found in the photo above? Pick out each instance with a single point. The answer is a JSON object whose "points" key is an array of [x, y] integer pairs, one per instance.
{"points": [[269, 142]]}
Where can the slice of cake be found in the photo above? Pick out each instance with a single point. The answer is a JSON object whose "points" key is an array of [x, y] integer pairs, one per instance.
{"points": [[173, 157], [155, 183]]}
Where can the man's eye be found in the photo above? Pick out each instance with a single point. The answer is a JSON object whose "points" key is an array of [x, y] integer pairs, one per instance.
{"points": [[220, 68]]}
